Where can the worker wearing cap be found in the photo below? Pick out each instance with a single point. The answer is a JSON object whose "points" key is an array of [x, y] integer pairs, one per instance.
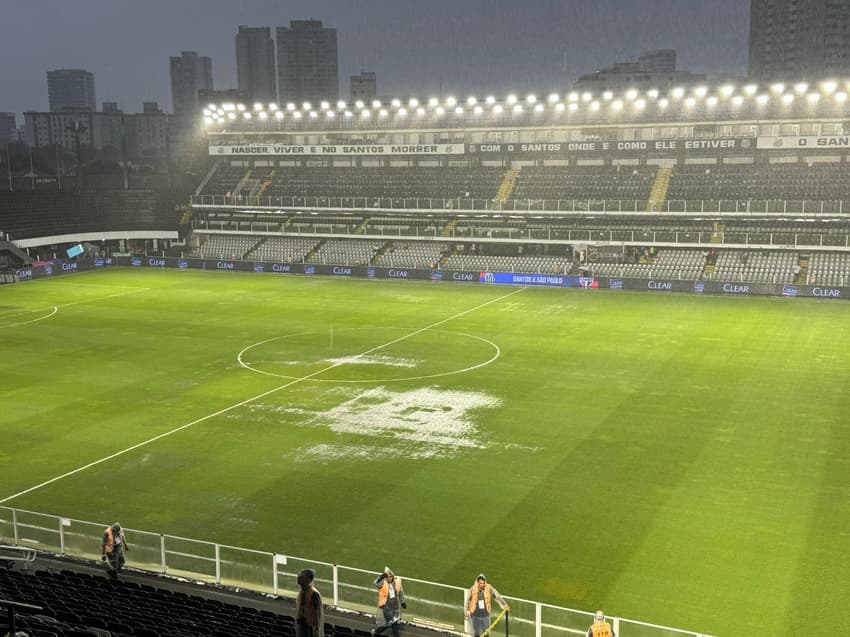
{"points": [[112, 549], [600, 628], [390, 602], [478, 605]]}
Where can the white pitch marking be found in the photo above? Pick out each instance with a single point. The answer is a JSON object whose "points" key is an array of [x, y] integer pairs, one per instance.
{"points": [[55, 308], [247, 401], [40, 318]]}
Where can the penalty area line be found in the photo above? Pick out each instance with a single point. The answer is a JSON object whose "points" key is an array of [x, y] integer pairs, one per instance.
{"points": [[248, 401]]}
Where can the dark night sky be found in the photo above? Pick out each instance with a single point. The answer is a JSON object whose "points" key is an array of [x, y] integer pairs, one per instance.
{"points": [[415, 46]]}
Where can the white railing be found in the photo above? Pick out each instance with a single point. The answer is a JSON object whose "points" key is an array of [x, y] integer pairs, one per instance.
{"points": [[431, 603]]}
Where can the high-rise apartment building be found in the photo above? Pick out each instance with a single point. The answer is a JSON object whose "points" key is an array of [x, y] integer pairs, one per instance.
{"points": [[8, 129], [307, 65], [653, 69], [255, 68], [190, 73], [799, 39], [364, 87], [70, 90]]}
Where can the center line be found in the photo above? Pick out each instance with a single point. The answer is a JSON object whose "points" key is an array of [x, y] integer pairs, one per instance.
{"points": [[253, 398]]}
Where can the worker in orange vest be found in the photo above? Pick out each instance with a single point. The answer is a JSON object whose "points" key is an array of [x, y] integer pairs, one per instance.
{"points": [[112, 548], [309, 612], [390, 602], [600, 628], [478, 605]]}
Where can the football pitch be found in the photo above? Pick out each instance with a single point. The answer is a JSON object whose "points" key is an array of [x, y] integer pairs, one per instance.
{"points": [[678, 460]]}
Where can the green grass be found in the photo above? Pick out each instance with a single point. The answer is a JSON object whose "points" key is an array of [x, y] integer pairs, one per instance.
{"points": [[674, 459]]}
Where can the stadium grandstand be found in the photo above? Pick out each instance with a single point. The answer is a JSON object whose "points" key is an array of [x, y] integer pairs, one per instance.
{"points": [[738, 189]]}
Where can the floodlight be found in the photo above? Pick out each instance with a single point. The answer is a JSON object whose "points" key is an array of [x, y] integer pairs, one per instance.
{"points": [[700, 91], [641, 103], [690, 102], [212, 106], [829, 86], [324, 106], [349, 114], [751, 89], [246, 115], [262, 115], [572, 97], [440, 111], [258, 106], [531, 98], [617, 105], [420, 111], [231, 115], [737, 100], [451, 101], [788, 98], [383, 112], [813, 98], [490, 99], [432, 102], [511, 99], [306, 106], [229, 106], [586, 96], [841, 97], [607, 96], [497, 109], [413, 102], [396, 103], [801, 87], [594, 106], [538, 108], [663, 102], [471, 101], [553, 97], [313, 114], [278, 114], [517, 108], [762, 99], [678, 92], [240, 107], [365, 114], [458, 110], [778, 87], [272, 106], [727, 89], [631, 94], [330, 114], [207, 112], [290, 106], [376, 103], [359, 104], [297, 115], [711, 101], [208, 120], [402, 112], [652, 93], [340, 105], [559, 107], [573, 107]]}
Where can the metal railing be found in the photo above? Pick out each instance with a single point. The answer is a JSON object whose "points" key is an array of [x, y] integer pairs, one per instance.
{"points": [[431, 603], [810, 208]]}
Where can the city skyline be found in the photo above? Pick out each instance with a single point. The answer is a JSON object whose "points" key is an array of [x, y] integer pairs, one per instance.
{"points": [[485, 46]]}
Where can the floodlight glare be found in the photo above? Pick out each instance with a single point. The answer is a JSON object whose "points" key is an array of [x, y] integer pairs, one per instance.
{"points": [[348, 114], [432, 102], [211, 106], [231, 115], [559, 107], [290, 106], [829, 87], [572, 97], [586, 96], [511, 99], [497, 109], [359, 104], [229, 106], [278, 114], [258, 106], [402, 112], [641, 103], [340, 105], [313, 114], [450, 101], [207, 112], [678, 92], [272, 106], [653, 93], [608, 96], [788, 98], [841, 97], [553, 97], [306, 106], [420, 111], [813, 98], [376, 103], [478, 110], [690, 102], [365, 113], [762, 99], [663, 102], [297, 115], [594, 106], [538, 108], [751, 89], [262, 115], [458, 110], [471, 101], [383, 112], [324, 106], [240, 107], [701, 91], [631, 94], [617, 105], [711, 101], [737, 100], [727, 89], [573, 107], [246, 115], [396, 103], [208, 120], [330, 114], [440, 111], [801, 87], [778, 87], [490, 99], [517, 108], [531, 99], [413, 102]]}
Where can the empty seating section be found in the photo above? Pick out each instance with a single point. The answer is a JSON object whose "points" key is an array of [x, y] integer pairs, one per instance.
{"points": [[77, 604], [361, 183], [283, 249], [829, 269], [584, 182], [412, 254], [794, 182], [756, 267], [667, 263], [531, 264], [345, 252], [226, 246]]}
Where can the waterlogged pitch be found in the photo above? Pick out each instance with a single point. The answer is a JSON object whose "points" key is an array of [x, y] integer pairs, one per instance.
{"points": [[674, 459]]}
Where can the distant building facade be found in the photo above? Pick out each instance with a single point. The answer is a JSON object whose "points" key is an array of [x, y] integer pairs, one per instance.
{"points": [[799, 39], [71, 90], [8, 129], [146, 132], [190, 73], [307, 63], [653, 69], [255, 63], [364, 87]]}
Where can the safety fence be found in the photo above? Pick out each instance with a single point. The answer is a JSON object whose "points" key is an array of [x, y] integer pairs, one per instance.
{"points": [[431, 604]]}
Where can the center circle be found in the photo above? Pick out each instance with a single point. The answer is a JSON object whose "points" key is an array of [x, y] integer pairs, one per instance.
{"points": [[378, 354]]}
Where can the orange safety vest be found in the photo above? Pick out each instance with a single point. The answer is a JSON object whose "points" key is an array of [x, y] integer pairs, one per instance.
{"points": [[110, 542], [602, 629], [473, 598], [384, 592]]}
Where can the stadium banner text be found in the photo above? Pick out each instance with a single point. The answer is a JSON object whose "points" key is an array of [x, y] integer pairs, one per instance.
{"points": [[630, 148], [494, 278], [809, 142], [358, 150]]}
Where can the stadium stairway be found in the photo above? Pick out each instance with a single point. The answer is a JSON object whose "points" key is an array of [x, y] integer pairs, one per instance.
{"points": [[380, 252], [361, 229], [242, 183], [250, 253], [506, 188], [449, 229], [266, 184], [802, 276], [314, 250], [658, 194], [718, 233]]}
